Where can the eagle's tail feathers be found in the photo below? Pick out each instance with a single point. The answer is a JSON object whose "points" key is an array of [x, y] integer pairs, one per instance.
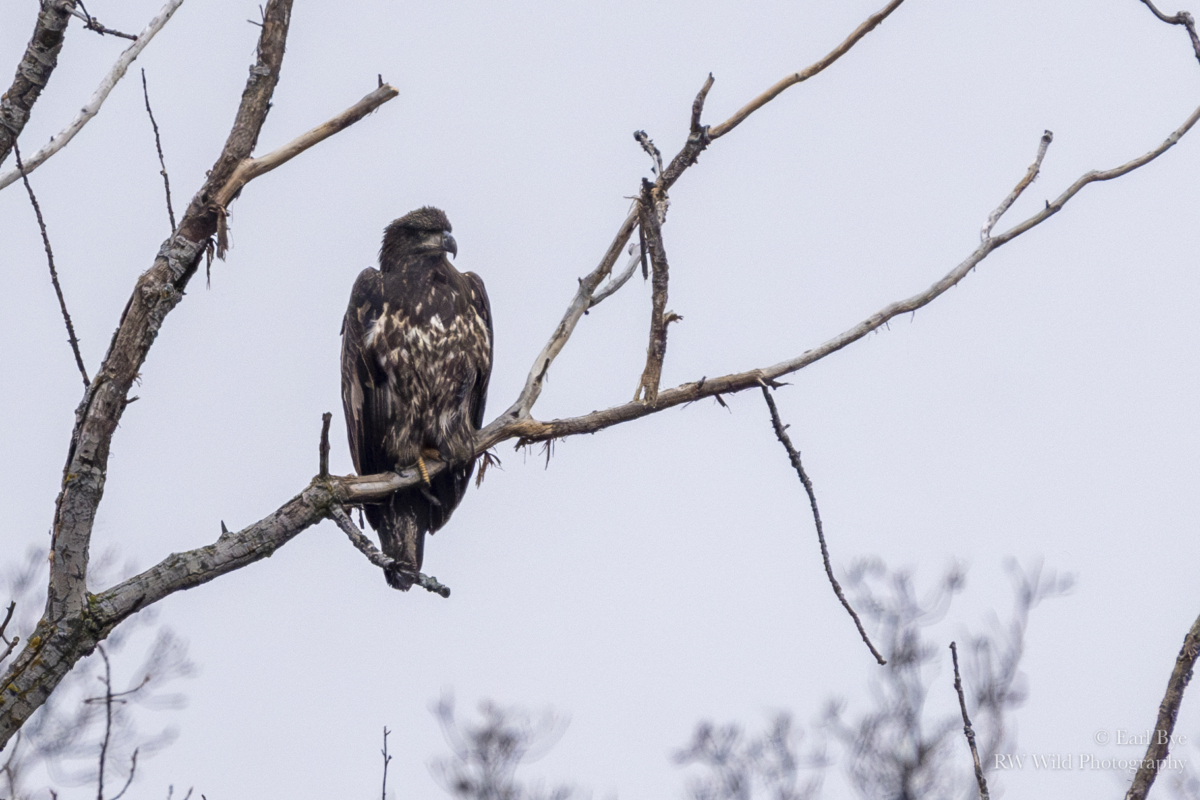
{"points": [[402, 537]]}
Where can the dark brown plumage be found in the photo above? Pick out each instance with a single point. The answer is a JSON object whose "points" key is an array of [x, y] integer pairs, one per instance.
{"points": [[416, 358]]}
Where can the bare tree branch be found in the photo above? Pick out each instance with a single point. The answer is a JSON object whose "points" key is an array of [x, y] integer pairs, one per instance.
{"points": [[1160, 743], [162, 163], [323, 450], [62, 303], [660, 318], [788, 81], [1030, 177], [73, 625], [527, 430], [794, 456], [386, 760], [968, 731], [697, 141], [92, 107], [367, 548], [33, 73], [1182, 18], [9, 644], [92, 24]]}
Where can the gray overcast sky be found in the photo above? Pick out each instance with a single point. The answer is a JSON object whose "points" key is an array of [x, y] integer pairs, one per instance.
{"points": [[664, 571]]}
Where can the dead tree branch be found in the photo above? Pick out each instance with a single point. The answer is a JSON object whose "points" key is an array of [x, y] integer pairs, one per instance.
{"points": [[794, 457], [62, 302], [1182, 18], [9, 644], [656, 349], [162, 163], [367, 548], [1030, 177], [868, 25], [1168, 710], [92, 24], [33, 73], [91, 108], [698, 139], [73, 625], [968, 731], [386, 760], [512, 425]]}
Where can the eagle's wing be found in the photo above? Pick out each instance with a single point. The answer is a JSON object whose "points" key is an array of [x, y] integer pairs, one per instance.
{"points": [[479, 300], [364, 385], [450, 487]]}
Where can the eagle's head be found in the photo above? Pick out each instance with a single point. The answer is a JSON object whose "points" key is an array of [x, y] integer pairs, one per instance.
{"points": [[422, 232]]}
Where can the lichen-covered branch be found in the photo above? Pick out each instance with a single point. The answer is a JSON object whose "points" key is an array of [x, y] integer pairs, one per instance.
{"points": [[76, 621], [92, 107], [33, 73]]}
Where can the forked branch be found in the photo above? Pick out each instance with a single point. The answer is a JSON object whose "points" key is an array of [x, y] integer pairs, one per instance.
{"points": [[92, 107]]}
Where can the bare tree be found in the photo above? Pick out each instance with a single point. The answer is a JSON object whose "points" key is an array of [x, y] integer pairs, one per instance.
{"points": [[77, 620], [896, 749], [485, 755]]}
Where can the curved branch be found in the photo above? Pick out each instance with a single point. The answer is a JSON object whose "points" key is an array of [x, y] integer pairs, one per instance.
{"points": [[92, 107]]}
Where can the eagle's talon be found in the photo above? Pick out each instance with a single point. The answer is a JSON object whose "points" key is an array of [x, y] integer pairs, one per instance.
{"points": [[428, 495]]}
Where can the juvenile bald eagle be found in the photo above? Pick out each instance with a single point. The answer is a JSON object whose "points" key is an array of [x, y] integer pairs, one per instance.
{"points": [[416, 358]]}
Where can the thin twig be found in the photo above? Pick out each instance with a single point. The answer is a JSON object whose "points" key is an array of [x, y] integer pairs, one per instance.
{"points": [[1182, 18], [386, 760], [717, 131], [656, 350], [794, 456], [1030, 177], [92, 107], [9, 644], [324, 449], [62, 303], [158, 146], [108, 703], [1160, 743], [615, 283], [367, 548], [967, 729], [93, 24], [129, 780]]}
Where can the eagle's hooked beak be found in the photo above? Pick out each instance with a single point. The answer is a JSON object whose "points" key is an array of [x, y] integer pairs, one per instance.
{"points": [[448, 243]]}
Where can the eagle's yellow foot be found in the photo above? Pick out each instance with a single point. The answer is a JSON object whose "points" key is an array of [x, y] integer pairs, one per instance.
{"points": [[426, 452]]}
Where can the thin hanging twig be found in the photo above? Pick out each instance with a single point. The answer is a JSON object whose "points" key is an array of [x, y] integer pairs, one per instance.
{"points": [[62, 303], [794, 455], [158, 146]]}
